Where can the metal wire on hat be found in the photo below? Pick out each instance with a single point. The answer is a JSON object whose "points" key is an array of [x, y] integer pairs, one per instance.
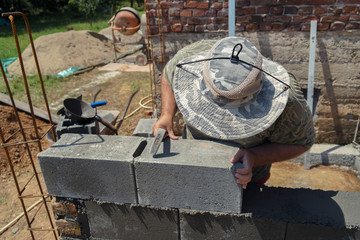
{"points": [[235, 59]]}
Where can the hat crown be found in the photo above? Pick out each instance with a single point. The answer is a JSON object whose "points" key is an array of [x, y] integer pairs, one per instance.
{"points": [[229, 80]]}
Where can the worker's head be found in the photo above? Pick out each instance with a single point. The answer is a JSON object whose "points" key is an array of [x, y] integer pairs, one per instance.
{"points": [[235, 93]]}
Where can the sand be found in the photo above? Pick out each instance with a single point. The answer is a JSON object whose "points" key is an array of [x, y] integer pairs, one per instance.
{"points": [[60, 51]]}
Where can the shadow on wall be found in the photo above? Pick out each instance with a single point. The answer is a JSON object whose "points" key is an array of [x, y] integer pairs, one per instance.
{"points": [[330, 92]]}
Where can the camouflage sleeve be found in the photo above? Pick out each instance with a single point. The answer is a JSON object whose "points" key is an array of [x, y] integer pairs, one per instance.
{"points": [[185, 52], [295, 124]]}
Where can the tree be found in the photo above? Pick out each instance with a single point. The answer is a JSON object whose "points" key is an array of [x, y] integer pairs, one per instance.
{"points": [[86, 7]]}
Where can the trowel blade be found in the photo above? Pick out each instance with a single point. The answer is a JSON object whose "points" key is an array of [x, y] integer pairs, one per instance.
{"points": [[157, 141]]}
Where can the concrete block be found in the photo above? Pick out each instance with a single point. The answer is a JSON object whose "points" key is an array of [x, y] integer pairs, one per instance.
{"points": [[86, 166], [144, 127], [327, 154], [212, 226], [189, 174], [125, 221], [328, 208], [315, 232]]}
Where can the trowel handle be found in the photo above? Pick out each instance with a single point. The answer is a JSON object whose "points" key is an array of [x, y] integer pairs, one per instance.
{"points": [[98, 104]]}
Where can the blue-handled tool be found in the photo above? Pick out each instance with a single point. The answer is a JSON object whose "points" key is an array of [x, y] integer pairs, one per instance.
{"points": [[98, 104]]}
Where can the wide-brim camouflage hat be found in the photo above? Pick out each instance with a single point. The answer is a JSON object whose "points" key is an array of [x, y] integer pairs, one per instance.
{"points": [[227, 99]]}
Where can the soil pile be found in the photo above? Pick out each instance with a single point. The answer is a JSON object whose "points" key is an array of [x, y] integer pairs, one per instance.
{"points": [[59, 51], [18, 152]]}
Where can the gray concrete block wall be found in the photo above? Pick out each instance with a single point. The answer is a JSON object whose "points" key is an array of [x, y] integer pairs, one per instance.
{"points": [[189, 174], [113, 174]]}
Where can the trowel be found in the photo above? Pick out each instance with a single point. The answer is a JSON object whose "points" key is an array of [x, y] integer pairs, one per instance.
{"points": [[157, 141]]}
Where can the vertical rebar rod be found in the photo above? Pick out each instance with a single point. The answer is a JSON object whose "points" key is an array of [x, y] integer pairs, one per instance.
{"points": [[11, 18]]}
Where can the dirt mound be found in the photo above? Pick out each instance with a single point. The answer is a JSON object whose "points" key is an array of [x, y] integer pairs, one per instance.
{"points": [[60, 51], [18, 152]]}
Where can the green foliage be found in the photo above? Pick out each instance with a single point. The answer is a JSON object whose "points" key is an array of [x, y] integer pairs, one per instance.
{"points": [[86, 7]]}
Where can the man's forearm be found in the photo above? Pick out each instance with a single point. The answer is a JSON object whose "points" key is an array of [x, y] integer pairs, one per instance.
{"points": [[275, 152], [168, 103]]}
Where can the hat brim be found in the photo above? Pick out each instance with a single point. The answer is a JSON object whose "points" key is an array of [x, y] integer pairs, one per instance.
{"points": [[224, 121]]}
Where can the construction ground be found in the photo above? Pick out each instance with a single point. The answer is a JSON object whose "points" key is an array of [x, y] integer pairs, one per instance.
{"points": [[116, 86]]}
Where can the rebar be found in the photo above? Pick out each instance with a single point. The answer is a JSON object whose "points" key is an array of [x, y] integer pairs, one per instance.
{"points": [[5, 142]]}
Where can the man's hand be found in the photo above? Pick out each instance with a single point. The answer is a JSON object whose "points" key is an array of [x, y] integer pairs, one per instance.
{"points": [[165, 123], [247, 158]]}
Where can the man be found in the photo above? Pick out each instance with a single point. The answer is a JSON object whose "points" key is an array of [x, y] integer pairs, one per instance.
{"points": [[226, 90]]}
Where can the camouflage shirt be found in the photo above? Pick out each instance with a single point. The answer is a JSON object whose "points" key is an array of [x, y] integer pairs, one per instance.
{"points": [[294, 126]]}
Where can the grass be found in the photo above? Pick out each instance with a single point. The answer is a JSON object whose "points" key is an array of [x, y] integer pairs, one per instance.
{"points": [[39, 26]]}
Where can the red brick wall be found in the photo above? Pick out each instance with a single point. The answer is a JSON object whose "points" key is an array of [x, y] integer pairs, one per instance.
{"points": [[254, 15]]}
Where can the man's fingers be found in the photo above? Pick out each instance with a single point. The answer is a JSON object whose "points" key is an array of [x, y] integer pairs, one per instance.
{"points": [[238, 155], [171, 135]]}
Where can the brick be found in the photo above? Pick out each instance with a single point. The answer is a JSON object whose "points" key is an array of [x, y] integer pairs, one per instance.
{"points": [[350, 9], [177, 5], [212, 27], [222, 13], [241, 3], [304, 19], [265, 27], [210, 13], [320, 10], [277, 10], [197, 4], [173, 20], [144, 127], [341, 18], [290, 10], [239, 12], [188, 28], [293, 27], [217, 5], [278, 26], [166, 28], [305, 11], [198, 13], [174, 12], [354, 17], [335, 10], [64, 209], [124, 221], [305, 27], [200, 28], [323, 26], [186, 13], [183, 178], [263, 2], [262, 10], [249, 10], [239, 27], [197, 21], [350, 26], [337, 26], [91, 167], [68, 228], [272, 19], [176, 27], [220, 20], [245, 19], [252, 27], [348, 1], [322, 2]]}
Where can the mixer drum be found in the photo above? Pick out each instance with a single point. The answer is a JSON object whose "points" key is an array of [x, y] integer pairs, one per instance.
{"points": [[127, 21]]}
